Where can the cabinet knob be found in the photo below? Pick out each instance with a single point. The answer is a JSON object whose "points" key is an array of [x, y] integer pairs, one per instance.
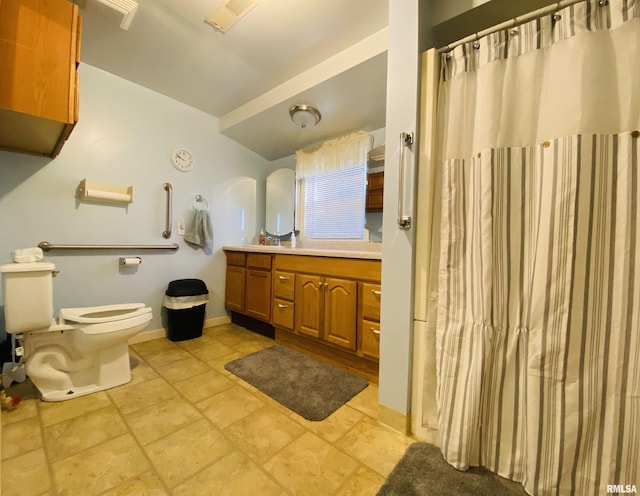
{"points": [[283, 278], [375, 331], [282, 305], [376, 292]]}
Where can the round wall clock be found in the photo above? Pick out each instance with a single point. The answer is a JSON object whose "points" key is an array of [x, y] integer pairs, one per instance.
{"points": [[182, 160]]}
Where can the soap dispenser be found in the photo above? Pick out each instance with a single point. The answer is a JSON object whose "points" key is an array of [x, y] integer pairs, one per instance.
{"points": [[261, 238]]}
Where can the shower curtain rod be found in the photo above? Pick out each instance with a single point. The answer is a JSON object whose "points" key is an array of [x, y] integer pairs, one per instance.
{"points": [[516, 21]]}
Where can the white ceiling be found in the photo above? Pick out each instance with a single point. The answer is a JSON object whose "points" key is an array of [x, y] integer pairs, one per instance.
{"points": [[327, 53]]}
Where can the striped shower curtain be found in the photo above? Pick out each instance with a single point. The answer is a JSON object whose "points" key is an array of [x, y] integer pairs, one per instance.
{"points": [[538, 312]]}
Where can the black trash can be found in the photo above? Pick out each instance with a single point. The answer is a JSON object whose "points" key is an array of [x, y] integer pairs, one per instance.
{"points": [[185, 301]]}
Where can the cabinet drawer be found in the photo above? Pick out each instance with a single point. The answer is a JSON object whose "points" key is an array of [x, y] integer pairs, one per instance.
{"points": [[283, 312], [235, 258], [258, 261], [371, 301], [284, 285], [370, 338]]}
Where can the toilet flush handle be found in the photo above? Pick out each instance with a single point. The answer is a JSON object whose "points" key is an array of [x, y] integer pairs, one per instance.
{"points": [[55, 273]]}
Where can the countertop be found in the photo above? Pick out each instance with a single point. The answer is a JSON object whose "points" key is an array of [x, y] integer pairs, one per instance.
{"points": [[316, 252]]}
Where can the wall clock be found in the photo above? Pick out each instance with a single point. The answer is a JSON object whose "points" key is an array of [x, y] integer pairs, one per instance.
{"points": [[182, 159]]}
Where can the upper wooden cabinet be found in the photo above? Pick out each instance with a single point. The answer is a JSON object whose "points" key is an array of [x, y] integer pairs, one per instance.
{"points": [[39, 54], [375, 191]]}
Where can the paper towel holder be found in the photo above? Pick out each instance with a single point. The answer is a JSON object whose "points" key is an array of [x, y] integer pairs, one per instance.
{"points": [[104, 193]]}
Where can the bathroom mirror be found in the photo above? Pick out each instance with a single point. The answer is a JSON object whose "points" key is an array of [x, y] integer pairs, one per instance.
{"points": [[280, 202]]}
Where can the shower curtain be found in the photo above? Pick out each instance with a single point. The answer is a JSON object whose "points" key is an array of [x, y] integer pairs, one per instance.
{"points": [[538, 311]]}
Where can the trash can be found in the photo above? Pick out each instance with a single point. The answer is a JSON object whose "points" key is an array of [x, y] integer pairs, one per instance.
{"points": [[185, 301]]}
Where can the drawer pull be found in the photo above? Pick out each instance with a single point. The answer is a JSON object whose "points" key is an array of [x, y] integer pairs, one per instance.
{"points": [[376, 292], [282, 305], [283, 278], [375, 331]]}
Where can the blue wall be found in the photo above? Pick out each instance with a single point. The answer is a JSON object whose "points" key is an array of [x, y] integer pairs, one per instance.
{"points": [[124, 136]]}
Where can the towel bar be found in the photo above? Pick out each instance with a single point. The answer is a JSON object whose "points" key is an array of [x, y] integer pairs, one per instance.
{"points": [[46, 246]]}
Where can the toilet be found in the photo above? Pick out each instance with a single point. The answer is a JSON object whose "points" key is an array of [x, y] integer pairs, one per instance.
{"points": [[83, 350]]}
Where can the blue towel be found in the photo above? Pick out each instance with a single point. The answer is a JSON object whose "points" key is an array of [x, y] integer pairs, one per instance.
{"points": [[200, 232]]}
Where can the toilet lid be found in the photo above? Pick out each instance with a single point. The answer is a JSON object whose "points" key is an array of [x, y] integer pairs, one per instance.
{"points": [[104, 313]]}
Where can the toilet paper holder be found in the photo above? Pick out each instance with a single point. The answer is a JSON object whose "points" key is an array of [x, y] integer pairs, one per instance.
{"points": [[129, 261]]}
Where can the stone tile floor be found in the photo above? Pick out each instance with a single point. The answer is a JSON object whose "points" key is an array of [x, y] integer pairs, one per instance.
{"points": [[186, 426]]}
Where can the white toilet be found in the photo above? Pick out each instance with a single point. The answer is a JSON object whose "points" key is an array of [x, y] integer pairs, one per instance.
{"points": [[84, 350]]}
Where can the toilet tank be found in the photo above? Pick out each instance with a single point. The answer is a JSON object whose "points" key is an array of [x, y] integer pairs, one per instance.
{"points": [[28, 296]]}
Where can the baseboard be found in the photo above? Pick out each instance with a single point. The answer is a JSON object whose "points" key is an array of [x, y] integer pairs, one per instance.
{"points": [[216, 321], [394, 419], [162, 332]]}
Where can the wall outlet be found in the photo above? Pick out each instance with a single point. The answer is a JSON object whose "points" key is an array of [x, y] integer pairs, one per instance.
{"points": [[180, 228]]}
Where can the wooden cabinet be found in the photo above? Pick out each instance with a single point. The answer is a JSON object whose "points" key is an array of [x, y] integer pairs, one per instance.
{"points": [[369, 320], [283, 299], [235, 284], [39, 54], [248, 285], [326, 306], [331, 305], [309, 305], [257, 294], [326, 309], [375, 191]]}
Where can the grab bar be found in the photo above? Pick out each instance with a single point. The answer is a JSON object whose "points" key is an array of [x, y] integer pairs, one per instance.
{"points": [[169, 189], [404, 221], [46, 246]]}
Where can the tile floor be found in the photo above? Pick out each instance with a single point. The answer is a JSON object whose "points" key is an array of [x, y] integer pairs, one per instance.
{"points": [[185, 426]]}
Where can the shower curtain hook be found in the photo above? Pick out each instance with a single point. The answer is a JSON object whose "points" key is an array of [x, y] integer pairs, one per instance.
{"points": [[476, 43]]}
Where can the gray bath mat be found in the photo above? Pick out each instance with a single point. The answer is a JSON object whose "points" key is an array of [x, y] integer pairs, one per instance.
{"points": [[423, 471], [312, 389]]}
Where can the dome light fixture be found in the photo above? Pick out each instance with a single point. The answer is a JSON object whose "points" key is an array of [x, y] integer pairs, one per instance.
{"points": [[304, 116]]}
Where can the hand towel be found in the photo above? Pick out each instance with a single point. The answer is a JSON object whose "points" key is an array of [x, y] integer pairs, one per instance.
{"points": [[25, 255], [200, 231]]}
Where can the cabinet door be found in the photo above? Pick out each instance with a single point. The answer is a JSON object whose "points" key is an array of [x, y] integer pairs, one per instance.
{"points": [[309, 297], [257, 296], [340, 312], [234, 291]]}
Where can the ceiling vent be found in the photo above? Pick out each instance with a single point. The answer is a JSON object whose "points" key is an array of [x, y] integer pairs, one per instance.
{"points": [[127, 8], [229, 14]]}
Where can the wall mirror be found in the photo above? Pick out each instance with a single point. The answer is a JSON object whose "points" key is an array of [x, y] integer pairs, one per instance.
{"points": [[280, 202]]}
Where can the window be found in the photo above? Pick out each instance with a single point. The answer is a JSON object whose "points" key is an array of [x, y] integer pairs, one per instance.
{"points": [[332, 188]]}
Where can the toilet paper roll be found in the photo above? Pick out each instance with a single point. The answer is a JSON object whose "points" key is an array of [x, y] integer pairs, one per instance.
{"points": [[130, 260]]}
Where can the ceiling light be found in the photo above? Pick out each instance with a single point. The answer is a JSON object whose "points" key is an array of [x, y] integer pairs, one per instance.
{"points": [[304, 115]]}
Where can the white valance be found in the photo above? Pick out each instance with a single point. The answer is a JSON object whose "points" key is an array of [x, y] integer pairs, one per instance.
{"points": [[334, 155]]}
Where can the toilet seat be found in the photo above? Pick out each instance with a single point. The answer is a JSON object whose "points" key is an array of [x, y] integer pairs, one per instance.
{"points": [[104, 313]]}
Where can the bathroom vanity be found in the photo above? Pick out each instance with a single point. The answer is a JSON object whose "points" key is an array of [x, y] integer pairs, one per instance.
{"points": [[323, 302]]}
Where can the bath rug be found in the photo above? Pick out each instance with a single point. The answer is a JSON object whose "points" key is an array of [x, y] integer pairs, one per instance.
{"points": [[312, 389], [423, 471]]}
